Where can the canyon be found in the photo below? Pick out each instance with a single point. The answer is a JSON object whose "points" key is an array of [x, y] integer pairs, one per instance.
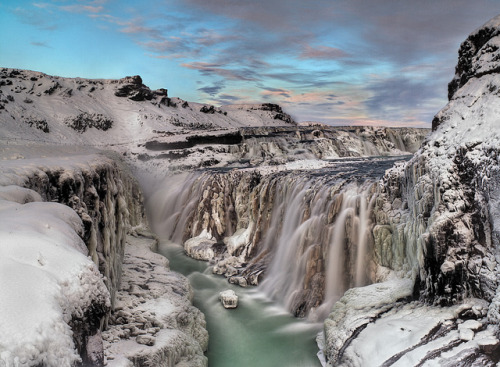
{"points": [[387, 235]]}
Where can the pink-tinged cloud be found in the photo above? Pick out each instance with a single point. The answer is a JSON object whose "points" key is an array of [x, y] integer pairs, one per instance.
{"points": [[82, 9], [137, 28], [209, 38], [322, 53]]}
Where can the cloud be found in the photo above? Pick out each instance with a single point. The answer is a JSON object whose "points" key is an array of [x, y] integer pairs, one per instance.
{"points": [[209, 69], [172, 45], [208, 37], [137, 28], [40, 44], [322, 53], [41, 5], [275, 92], [213, 89], [80, 8], [402, 99], [37, 17]]}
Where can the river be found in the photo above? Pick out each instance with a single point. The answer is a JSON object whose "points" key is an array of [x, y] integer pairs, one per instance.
{"points": [[257, 333]]}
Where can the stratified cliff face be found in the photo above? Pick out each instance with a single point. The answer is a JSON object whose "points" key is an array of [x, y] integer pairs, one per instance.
{"points": [[257, 146], [436, 222]]}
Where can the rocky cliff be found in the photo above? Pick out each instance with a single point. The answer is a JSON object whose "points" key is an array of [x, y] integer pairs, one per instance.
{"points": [[258, 146], [437, 225]]}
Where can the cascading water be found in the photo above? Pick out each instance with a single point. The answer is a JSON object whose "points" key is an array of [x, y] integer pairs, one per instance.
{"points": [[304, 236]]}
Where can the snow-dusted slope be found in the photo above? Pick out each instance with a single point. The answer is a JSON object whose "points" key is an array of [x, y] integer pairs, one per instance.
{"points": [[438, 224], [38, 107]]}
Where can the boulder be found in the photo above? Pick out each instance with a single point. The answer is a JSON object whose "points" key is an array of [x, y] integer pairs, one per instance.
{"points": [[228, 298]]}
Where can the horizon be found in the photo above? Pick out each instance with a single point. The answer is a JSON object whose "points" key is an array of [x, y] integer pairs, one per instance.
{"points": [[311, 60]]}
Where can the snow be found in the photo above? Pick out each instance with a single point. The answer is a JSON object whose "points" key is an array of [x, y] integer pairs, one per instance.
{"points": [[154, 320], [46, 280], [133, 121]]}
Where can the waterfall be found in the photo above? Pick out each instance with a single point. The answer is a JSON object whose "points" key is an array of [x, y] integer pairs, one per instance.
{"points": [[305, 238], [171, 205]]}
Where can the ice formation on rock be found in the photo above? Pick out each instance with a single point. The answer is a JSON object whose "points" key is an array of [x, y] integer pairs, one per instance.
{"points": [[228, 298], [437, 224], [62, 267], [303, 235]]}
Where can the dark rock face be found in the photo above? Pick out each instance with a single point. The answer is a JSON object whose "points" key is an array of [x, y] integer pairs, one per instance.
{"points": [[38, 123], [53, 87], [85, 120], [469, 49], [133, 88], [208, 109], [271, 107]]}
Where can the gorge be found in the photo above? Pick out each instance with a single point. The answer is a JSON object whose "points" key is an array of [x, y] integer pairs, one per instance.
{"points": [[388, 235]]}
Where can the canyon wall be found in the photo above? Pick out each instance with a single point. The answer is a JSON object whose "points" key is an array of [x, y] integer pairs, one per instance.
{"points": [[258, 146], [69, 218], [436, 224]]}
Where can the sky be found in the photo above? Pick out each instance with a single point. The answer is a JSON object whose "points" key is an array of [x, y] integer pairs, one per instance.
{"points": [[340, 62]]}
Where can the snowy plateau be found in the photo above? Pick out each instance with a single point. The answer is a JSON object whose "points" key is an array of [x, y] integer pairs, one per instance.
{"points": [[397, 255]]}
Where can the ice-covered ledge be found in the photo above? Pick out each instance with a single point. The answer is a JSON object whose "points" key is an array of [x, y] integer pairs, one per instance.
{"points": [[61, 265]]}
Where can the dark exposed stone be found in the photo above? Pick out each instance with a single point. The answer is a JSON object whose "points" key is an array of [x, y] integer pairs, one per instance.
{"points": [[40, 124], [133, 88], [87, 120], [53, 87], [208, 109]]}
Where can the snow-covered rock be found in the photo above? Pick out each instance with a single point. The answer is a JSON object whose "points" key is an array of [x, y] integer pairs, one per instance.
{"points": [[437, 224], [154, 322], [53, 296], [228, 298], [43, 108], [62, 266]]}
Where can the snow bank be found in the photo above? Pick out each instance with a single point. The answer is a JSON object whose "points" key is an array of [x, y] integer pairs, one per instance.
{"points": [[47, 280]]}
